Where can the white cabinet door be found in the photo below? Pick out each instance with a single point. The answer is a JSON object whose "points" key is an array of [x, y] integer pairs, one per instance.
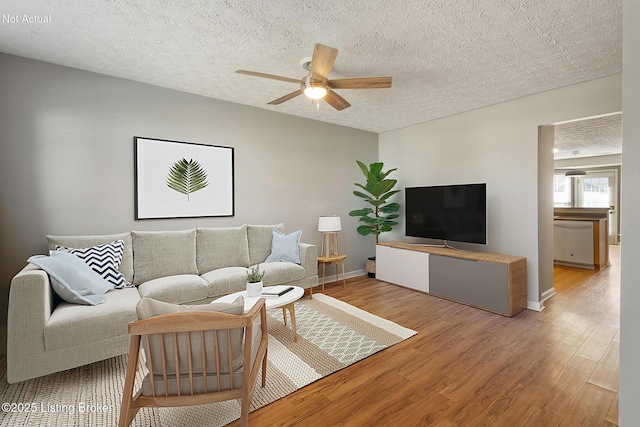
{"points": [[403, 267], [573, 241]]}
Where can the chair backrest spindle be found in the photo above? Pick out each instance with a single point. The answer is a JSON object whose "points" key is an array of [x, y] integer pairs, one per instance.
{"points": [[165, 376], [190, 361], [204, 361], [176, 360], [230, 359], [150, 365]]}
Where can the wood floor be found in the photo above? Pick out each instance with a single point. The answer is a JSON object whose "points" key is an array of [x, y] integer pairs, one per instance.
{"points": [[468, 367]]}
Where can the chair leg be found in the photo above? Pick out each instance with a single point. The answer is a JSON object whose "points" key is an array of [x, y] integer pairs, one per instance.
{"points": [[245, 404], [127, 410], [264, 368]]}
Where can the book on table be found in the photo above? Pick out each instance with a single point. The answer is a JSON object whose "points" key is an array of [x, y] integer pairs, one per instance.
{"points": [[276, 291]]}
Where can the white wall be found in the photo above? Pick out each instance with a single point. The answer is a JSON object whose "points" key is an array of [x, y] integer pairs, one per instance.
{"points": [[630, 222], [66, 162], [497, 145]]}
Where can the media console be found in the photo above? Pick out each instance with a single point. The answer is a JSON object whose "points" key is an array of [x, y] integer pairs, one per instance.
{"points": [[497, 283]]}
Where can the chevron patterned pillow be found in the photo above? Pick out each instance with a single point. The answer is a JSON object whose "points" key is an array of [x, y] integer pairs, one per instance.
{"points": [[104, 260]]}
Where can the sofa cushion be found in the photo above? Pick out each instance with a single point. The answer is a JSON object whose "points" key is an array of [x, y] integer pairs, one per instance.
{"points": [[225, 281], [285, 247], [72, 279], [103, 259], [163, 253], [126, 266], [74, 325], [222, 247], [181, 288], [148, 308], [276, 273], [259, 237]]}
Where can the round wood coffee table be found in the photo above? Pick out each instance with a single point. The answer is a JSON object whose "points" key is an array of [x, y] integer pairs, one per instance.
{"points": [[286, 302]]}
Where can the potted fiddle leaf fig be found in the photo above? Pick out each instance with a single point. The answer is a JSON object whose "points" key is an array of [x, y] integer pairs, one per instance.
{"points": [[380, 216]]}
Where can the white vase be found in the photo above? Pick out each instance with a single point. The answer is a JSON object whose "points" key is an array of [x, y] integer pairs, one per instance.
{"points": [[254, 289]]}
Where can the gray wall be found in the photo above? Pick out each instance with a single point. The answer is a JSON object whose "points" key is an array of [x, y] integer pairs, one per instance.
{"points": [[66, 163], [630, 222], [497, 145]]}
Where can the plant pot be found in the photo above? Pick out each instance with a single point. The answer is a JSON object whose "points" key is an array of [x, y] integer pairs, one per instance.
{"points": [[371, 267], [254, 289]]}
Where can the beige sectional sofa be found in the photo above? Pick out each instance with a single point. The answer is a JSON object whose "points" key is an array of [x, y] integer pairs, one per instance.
{"points": [[47, 335]]}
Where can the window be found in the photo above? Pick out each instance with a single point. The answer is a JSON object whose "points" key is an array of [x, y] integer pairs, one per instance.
{"points": [[561, 191], [595, 192]]}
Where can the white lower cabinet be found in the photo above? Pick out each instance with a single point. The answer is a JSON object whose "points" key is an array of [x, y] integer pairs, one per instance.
{"points": [[573, 241], [406, 268]]}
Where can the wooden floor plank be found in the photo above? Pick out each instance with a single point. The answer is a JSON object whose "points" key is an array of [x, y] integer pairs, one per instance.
{"points": [[597, 342], [606, 373], [565, 388], [468, 367], [590, 408], [612, 415]]}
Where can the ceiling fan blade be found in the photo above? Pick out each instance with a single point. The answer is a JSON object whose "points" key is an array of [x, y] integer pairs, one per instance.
{"points": [[286, 97], [336, 101], [268, 76], [361, 83], [322, 61]]}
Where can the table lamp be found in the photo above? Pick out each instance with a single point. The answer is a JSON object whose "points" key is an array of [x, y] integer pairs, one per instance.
{"points": [[329, 227]]}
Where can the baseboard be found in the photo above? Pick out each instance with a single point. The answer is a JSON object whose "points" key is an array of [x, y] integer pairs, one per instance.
{"points": [[539, 306], [347, 275], [548, 294], [535, 306]]}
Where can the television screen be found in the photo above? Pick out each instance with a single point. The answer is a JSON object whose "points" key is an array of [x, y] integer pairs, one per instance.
{"points": [[447, 212]]}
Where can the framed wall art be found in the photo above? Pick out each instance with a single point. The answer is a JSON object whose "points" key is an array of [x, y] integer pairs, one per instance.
{"points": [[182, 179]]}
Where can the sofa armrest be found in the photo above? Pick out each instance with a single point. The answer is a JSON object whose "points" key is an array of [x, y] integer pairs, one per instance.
{"points": [[309, 258], [31, 302]]}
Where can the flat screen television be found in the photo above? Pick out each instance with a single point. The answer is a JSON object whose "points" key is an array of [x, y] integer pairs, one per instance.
{"points": [[447, 212]]}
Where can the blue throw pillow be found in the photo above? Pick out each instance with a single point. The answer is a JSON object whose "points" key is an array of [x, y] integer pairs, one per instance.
{"points": [[72, 279], [285, 247]]}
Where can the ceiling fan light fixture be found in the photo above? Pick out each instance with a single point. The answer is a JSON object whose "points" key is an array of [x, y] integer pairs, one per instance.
{"points": [[314, 89], [315, 92]]}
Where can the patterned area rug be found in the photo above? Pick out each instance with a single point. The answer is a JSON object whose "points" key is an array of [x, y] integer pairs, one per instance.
{"points": [[331, 336]]}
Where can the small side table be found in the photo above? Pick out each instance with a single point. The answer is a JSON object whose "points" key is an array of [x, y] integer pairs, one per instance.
{"points": [[333, 259]]}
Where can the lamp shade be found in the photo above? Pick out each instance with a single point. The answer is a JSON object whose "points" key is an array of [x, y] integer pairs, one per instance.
{"points": [[329, 223], [575, 172]]}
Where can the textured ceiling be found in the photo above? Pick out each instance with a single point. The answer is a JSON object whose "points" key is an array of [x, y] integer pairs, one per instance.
{"points": [[445, 56], [591, 137]]}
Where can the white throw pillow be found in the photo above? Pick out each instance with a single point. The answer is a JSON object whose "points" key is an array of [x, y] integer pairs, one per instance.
{"points": [[285, 247], [103, 259], [72, 279]]}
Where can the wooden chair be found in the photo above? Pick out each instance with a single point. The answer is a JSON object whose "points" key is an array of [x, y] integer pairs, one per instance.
{"points": [[196, 358]]}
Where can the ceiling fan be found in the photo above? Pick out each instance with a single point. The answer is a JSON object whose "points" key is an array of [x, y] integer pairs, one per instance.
{"points": [[316, 85]]}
